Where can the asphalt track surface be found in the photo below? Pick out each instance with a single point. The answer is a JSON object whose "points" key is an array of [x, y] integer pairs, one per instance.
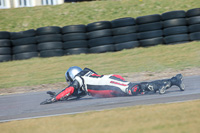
{"points": [[27, 105]]}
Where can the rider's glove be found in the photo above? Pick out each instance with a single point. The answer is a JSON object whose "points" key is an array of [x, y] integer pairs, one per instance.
{"points": [[48, 101]]}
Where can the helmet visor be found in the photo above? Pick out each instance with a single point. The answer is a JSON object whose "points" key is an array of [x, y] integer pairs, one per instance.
{"points": [[67, 79]]}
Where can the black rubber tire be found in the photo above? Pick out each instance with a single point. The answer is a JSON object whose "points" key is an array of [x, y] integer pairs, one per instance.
{"points": [[24, 41], [150, 34], [49, 45], [49, 38], [173, 15], [4, 35], [26, 55], [175, 22], [151, 42], [181, 42], [175, 30], [48, 30], [148, 19], [5, 50], [125, 38], [22, 34], [102, 49], [99, 33], [74, 37], [126, 45], [122, 22], [24, 48], [74, 29], [75, 44], [176, 38], [76, 51], [150, 26], [124, 30], [5, 43], [98, 26], [5, 58], [194, 28], [195, 36], [193, 12], [100, 41], [51, 53], [194, 20]]}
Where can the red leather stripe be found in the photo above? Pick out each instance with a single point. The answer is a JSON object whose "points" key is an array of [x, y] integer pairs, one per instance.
{"points": [[96, 75], [118, 83], [68, 91], [101, 93], [119, 76]]}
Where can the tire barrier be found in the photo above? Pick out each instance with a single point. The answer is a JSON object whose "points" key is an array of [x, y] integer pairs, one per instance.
{"points": [[124, 33], [150, 30], [171, 27], [24, 45], [99, 36], [175, 27], [5, 46], [193, 16], [49, 41], [75, 39]]}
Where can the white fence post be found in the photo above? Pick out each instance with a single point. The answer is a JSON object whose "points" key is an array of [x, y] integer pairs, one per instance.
{"points": [[2, 4], [27, 3]]}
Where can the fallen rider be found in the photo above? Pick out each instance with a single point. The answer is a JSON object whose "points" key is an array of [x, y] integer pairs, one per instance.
{"points": [[87, 82]]}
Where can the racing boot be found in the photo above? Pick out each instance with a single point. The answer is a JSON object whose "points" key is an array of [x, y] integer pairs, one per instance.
{"points": [[164, 86], [178, 81], [154, 86]]}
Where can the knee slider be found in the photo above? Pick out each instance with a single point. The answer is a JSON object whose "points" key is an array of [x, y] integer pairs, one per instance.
{"points": [[134, 90]]}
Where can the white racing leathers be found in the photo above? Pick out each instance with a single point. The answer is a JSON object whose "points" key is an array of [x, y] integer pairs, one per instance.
{"points": [[100, 85], [89, 82]]}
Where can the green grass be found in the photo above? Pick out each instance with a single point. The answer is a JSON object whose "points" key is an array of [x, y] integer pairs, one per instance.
{"points": [[51, 70], [20, 19], [177, 117], [161, 118]]}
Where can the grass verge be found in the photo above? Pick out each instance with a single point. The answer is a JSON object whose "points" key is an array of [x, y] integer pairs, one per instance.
{"points": [[51, 70], [20, 19], [174, 118]]}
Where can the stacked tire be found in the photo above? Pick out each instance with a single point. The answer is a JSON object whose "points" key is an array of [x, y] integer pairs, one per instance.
{"points": [[75, 39], [124, 33], [175, 27], [100, 37], [49, 41], [193, 16], [24, 45], [150, 30], [5, 46]]}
